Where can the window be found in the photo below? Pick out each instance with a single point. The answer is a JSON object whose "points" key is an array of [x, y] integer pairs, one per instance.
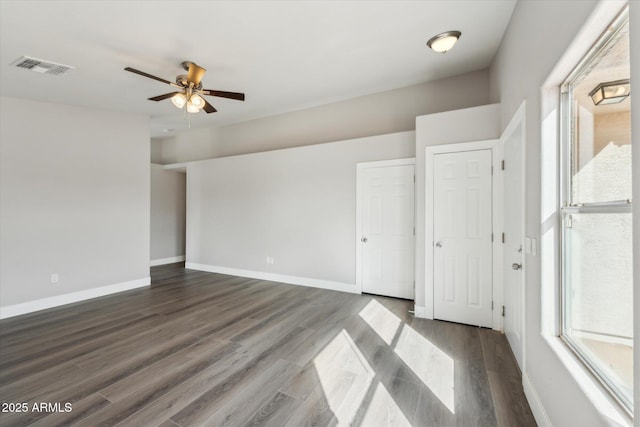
{"points": [[597, 291]]}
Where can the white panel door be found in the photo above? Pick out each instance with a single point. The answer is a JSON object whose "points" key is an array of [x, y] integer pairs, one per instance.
{"points": [[387, 224], [513, 277], [462, 255]]}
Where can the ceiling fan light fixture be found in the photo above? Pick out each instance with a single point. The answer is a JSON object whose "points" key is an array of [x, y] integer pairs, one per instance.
{"points": [[195, 103], [179, 100], [443, 42], [191, 108]]}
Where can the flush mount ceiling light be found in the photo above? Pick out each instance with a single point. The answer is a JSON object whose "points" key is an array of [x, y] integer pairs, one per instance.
{"points": [[443, 42], [611, 92]]}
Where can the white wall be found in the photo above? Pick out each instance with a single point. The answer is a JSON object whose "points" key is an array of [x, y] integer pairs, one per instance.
{"points": [[634, 13], [450, 127], [168, 214], [296, 205], [376, 114], [529, 53], [74, 199]]}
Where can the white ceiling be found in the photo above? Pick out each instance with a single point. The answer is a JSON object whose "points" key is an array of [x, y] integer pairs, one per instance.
{"points": [[284, 55]]}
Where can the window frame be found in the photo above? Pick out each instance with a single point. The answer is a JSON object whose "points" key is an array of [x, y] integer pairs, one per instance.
{"points": [[568, 144]]}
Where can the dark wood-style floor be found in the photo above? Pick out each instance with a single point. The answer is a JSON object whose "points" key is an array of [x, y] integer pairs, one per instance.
{"points": [[208, 349]]}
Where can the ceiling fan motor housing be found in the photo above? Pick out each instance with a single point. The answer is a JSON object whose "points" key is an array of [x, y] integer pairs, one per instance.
{"points": [[183, 81]]}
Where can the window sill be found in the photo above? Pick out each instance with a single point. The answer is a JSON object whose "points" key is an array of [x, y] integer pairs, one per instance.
{"points": [[609, 409]]}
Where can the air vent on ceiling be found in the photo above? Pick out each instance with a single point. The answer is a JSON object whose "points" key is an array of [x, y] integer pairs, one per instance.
{"points": [[41, 66]]}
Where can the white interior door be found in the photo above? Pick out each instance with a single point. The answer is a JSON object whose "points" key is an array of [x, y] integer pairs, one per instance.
{"points": [[512, 274], [386, 227], [462, 255]]}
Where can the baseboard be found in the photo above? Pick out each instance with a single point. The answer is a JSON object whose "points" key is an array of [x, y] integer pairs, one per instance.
{"points": [[56, 301], [420, 312], [282, 278], [163, 261], [539, 413]]}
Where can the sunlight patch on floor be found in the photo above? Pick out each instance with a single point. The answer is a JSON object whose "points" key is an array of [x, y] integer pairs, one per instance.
{"points": [[381, 320], [429, 363], [383, 410], [433, 366], [345, 376]]}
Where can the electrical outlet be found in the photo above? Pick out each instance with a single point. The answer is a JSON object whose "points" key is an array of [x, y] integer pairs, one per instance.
{"points": [[269, 260], [55, 278]]}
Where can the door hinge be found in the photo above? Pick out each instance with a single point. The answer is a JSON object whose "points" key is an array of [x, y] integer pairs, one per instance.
{"points": [[503, 237], [492, 237], [414, 230], [491, 170], [414, 178], [492, 305], [502, 165], [503, 311]]}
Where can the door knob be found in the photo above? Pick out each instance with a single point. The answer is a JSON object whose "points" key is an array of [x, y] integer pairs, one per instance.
{"points": [[439, 244], [364, 240], [516, 266]]}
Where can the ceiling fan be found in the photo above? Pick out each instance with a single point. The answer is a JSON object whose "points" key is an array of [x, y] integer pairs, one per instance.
{"points": [[190, 89]]}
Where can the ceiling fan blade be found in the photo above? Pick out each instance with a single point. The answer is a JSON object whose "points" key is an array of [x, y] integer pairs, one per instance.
{"points": [[195, 73], [208, 107], [231, 95], [163, 97], [142, 73]]}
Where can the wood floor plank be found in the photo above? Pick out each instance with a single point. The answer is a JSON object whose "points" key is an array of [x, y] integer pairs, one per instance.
{"points": [[246, 403], [174, 369], [205, 405], [32, 363], [314, 411], [95, 382], [79, 411], [148, 389], [43, 382], [198, 348], [275, 412], [184, 394], [140, 345], [303, 383]]}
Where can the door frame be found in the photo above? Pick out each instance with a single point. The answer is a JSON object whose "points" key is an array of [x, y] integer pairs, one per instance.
{"points": [[430, 152], [518, 120], [359, 168]]}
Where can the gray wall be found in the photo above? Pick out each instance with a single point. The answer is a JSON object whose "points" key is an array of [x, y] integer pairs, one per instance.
{"points": [[466, 125], [528, 55], [376, 114], [156, 151], [195, 144], [296, 205], [168, 213], [74, 199]]}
